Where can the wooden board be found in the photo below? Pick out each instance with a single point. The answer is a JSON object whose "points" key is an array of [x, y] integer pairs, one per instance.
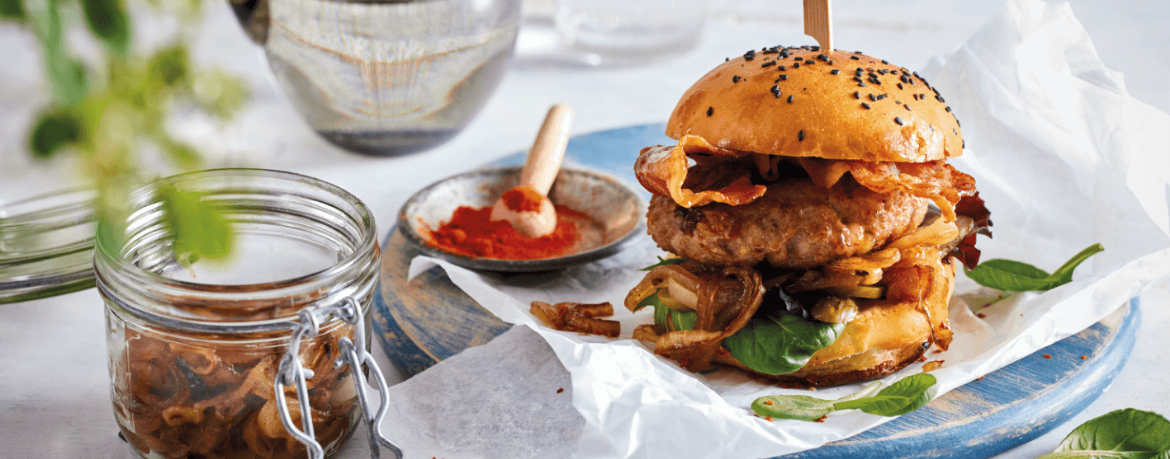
{"points": [[429, 319]]}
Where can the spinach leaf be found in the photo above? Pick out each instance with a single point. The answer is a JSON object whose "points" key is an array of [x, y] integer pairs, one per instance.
{"points": [[803, 407], [664, 262], [1017, 276], [683, 320], [1009, 275], [799, 407], [904, 396], [1126, 433], [781, 343], [651, 300], [1064, 273], [679, 320]]}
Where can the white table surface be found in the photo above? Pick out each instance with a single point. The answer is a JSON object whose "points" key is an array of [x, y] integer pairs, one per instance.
{"points": [[54, 389]]}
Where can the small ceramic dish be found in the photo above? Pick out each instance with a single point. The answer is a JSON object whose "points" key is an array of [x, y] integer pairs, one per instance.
{"points": [[615, 207]]}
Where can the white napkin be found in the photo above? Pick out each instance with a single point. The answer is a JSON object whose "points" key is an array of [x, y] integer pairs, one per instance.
{"points": [[1062, 155]]}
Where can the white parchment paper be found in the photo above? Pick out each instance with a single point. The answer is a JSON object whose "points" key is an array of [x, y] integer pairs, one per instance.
{"points": [[1062, 155]]}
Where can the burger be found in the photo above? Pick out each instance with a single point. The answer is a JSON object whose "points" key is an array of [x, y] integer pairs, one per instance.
{"points": [[813, 222]]}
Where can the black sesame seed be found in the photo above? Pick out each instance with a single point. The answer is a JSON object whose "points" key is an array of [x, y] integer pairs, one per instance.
{"points": [[861, 85], [784, 53], [835, 72], [883, 71], [735, 79], [872, 98], [857, 79], [857, 95], [858, 52], [898, 120], [907, 107], [885, 62], [905, 79], [940, 98], [893, 72], [710, 111], [865, 105], [814, 48], [809, 62], [881, 96], [957, 123], [964, 144], [796, 65], [899, 85], [749, 55], [948, 109], [782, 68], [872, 75], [726, 59], [790, 98], [855, 58], [775, 90], [768, 64], [783, 77], [800, 136]]}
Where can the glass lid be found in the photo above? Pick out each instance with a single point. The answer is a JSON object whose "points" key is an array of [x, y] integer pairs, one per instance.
{"points": [[46, 245]]}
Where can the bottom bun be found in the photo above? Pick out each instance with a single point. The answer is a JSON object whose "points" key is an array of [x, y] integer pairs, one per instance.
{"points": [[883, 338]]}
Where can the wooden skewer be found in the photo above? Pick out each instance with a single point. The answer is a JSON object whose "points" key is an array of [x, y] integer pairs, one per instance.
{"points": [[818, 23], [538, 175]]}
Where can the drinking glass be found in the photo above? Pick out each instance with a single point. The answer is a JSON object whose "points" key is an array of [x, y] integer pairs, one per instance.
{"points": [[385, 77], [630, 30]]}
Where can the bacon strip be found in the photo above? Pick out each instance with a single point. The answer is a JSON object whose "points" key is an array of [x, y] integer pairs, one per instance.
{"points": [[937, 181], [665, 170]]}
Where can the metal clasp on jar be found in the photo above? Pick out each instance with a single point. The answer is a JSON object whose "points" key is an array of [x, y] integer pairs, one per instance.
{"points": [[292, 372]]}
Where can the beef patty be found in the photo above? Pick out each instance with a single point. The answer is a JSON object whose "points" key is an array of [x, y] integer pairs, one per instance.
{"points": [[795, 224]]}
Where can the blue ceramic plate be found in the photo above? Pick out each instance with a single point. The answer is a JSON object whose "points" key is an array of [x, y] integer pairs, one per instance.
{"points": [[429, 319]]}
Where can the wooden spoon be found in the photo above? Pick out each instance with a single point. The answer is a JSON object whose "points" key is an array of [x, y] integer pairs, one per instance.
{"points": [[526, 207], [818, 24]]}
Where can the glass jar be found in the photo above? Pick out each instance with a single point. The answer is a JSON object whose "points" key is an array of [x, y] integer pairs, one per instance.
{"points": [[195, 350]]}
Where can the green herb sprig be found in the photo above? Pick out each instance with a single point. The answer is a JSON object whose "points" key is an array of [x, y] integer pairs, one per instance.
{"points": [[104, 116], [1126, 433], [664, 262], [906, 395], [1015, 276]]}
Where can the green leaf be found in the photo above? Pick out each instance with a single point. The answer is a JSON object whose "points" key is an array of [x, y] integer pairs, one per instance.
{"points": [[651, 300], [169, 65], [683, 320], [664, 262], [220, 94], [781, 343], [800, 407], [65, 73], [54, 130], [107, 19], [904, 396], [1126, 433], [1064, 273], [1018, 277], [1009, 275], [863, 392], [12, 10], [199, 228], [678, 320]]}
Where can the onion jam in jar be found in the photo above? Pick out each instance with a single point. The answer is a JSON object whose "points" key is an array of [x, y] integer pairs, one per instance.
{"points": [[195, 347]]}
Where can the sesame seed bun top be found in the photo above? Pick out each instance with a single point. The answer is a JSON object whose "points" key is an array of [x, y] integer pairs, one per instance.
{"points": [[789, 102]]}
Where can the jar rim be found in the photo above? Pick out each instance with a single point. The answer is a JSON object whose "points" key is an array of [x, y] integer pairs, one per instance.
{"points": [[147, 195]]}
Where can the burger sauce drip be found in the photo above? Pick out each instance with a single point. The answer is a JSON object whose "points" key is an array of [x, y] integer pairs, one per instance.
{"points": [[471, 232]]}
